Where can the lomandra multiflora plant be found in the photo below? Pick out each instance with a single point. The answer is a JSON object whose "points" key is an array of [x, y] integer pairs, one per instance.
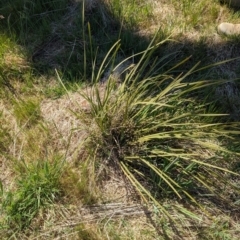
{"points": [[162, 137]]}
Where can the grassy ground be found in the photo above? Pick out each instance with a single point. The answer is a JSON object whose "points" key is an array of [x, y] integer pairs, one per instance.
{"points": [[70, 147]]}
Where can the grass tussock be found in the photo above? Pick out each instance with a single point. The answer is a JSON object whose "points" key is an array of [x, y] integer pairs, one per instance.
{"points": [[36, 187], [27, 112], [163, 140], [78, 184]]}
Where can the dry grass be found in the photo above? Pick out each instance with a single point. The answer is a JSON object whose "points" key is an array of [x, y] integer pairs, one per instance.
{"points": [[104, 223], [9, 124], [64, 125]]}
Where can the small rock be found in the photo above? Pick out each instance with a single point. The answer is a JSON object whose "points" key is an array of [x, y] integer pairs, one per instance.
{"points": [[229, 28]]}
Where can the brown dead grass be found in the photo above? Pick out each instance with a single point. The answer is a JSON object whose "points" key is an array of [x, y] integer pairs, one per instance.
{"points": [[106, 221], [14, 59], [63, 123], [9, 123]]}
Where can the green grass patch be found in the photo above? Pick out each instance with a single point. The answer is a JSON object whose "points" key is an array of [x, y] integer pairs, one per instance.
{"points": [[37, 186]]}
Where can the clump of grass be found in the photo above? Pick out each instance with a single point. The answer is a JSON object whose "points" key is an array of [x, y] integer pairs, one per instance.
{"points": [[163, 138], [27, 112], [85, 233], [5, 136], [219, 229], [78, 184], [37, 186]]}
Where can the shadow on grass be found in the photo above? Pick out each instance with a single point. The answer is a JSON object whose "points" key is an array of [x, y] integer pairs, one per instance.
{"points": [[60, 35], [54, 36]]}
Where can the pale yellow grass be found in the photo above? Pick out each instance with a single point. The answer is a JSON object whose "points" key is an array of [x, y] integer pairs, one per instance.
{"points": [[61, 118], [8, 121], [104, 221]]}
